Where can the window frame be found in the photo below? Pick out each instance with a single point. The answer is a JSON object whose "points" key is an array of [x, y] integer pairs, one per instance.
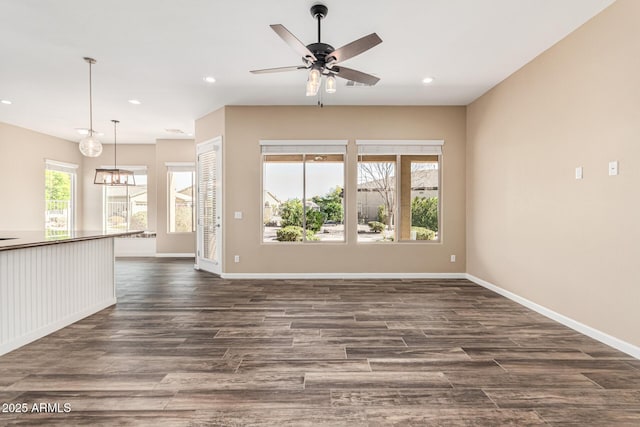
{"points": [[400, 148], [303, 147], [137, 170], [72, 170], [181, 167]]}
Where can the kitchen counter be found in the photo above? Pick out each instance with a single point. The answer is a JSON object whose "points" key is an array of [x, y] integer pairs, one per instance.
{"points": [[49, 282], [28, 239]]}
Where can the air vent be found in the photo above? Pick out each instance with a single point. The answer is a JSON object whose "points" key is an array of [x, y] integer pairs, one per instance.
{"points": [[351, 83], [178, 131]]}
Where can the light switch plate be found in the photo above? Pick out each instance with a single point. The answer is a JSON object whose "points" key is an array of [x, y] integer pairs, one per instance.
{"points": [[579, 172], [237, 214], [613, 168]]}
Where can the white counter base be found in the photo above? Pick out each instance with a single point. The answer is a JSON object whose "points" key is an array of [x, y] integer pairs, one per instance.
{"points": [[45, 288]]}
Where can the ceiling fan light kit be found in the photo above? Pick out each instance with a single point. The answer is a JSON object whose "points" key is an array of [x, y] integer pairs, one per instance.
{"points": [[330, 84], [90, 146], [322, 59]]}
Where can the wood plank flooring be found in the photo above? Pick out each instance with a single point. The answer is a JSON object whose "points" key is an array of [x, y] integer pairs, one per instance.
{"points": [[183, 348]]}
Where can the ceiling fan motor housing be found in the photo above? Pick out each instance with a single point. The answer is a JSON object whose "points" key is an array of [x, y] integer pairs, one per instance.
{"points": [[322, 51]]}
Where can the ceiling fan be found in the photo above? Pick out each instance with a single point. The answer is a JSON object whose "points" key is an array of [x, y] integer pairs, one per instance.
{"points": [[322, 59]]}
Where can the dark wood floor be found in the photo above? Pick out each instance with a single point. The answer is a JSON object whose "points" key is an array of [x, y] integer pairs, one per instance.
{"points": [[184, 348]]}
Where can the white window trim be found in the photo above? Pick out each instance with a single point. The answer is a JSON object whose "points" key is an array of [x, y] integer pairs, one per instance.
{"points": [[399, 147], [306, 146], [71, 169], [181, 167], [137, 170], [56, 165]]}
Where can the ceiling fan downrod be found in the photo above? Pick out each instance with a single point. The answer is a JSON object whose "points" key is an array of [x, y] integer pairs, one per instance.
{"points": [[319, 11]]}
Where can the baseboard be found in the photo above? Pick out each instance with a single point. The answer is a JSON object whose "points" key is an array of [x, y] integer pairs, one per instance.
{"points": [[135, 255], [44, 331], [343, 275], [596, 334], [175, 255]]}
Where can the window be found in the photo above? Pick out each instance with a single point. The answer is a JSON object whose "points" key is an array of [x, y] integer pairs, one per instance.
{"points": [[125, 207], [392, 209], [181, 187], [60, 184], [303, 196]]}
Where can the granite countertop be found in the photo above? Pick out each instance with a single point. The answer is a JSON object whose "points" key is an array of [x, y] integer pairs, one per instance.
{"points": [[28, 239]]}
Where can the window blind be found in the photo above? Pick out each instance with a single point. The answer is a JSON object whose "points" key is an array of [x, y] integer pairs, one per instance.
{"points": [[304, 146], [180, 166], [410, 147]]}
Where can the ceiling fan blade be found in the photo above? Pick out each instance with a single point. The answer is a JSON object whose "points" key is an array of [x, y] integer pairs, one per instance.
{"points": [[354, 48], [278, 69], [355, 75], [293, 41]]}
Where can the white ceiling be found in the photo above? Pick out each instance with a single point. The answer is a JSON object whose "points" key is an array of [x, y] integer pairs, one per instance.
{"points": [[158, 51]]}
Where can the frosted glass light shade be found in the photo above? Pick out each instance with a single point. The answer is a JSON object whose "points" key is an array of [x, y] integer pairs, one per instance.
{"points": [[114, 177], [314, 76], [90, 146], [330, 84]]}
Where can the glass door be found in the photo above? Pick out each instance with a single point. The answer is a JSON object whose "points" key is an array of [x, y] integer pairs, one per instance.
{"points": [[209, 223]]}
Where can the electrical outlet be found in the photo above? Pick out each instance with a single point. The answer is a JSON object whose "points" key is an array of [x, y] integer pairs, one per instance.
{"points": [[236, 258], [237, 215], [453, 258]]}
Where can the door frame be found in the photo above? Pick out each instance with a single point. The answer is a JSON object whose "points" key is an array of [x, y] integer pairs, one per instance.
{"points": [[205, 264]]}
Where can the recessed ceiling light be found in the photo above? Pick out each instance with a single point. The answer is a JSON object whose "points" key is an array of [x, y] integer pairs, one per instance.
{"points": [[428, 80], [209, 79], [134, 102], [5, 101]]}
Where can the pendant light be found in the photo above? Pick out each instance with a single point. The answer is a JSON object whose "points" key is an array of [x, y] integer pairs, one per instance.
{"points": [[114, 176], [90, 146]]}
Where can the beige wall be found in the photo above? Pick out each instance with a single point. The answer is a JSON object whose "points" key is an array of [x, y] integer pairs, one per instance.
{"points": [[171, 150], [246, 126], [22, 164], [569, 245], [211, 126], [22, 161]]}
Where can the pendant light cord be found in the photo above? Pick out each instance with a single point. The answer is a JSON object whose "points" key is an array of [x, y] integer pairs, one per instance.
{"points": [[115, 143], [90, 103], [91, 61]]}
